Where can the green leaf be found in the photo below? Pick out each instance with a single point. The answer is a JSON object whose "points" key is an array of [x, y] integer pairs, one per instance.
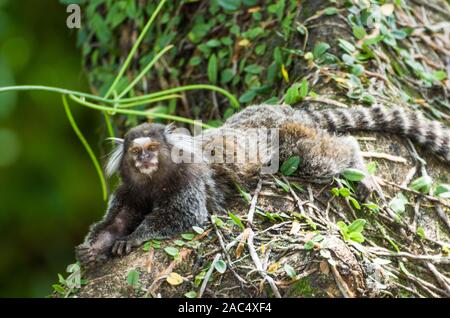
{"points": [[443, 191], [220, 266], [353, 174], [248, 96], [371, 167], [359, 32], [59, 289], [195, 60], [439, 75], [331, 10], [421, 232], [188, 236], [253, 69], [198, 229], [320, 49], [304, 88], [133, 278], [422, 184], [191, 294], [178, 242], [236, 220], [398, 203], [355, 203], [212, 69], [292, 95], [226, 75], [283, 185], [357, 237], [230, 5], [344, 192], [213, 43], [172, 251], [357, 226], [290, 166], [290, 271], [346, 46], [357, 69]]}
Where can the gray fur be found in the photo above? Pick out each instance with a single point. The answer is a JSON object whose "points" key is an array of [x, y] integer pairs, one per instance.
{"points": [[179, 195]]}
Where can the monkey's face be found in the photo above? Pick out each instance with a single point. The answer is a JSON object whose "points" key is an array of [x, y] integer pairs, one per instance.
{"points": [[144, 154]]}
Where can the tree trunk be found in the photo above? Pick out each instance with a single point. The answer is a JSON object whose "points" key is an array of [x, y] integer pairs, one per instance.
{"points": [[296, 248]]}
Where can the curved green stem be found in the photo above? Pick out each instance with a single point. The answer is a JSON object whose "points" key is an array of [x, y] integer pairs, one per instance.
{"points": [[51, 89], [149, 101], [86, 146], [144, 71], [134, 48], [138, 112], [234, 102]]}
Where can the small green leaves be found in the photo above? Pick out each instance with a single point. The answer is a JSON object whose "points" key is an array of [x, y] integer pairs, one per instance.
{"points": [[190, 294], [439, 75], [248, 96], [198, 229], [443, 191], [290, 271], [188, 236], [212, 69], [220, 266], [353, 174], [290, 166], [230, 5], [236, 220], [133, 278], [398, 203], [281, 184], [422, 184], [352, 232], [320, 49], [311, 243], [359, 32], [172, 251], [304, 88], [346, 46]]}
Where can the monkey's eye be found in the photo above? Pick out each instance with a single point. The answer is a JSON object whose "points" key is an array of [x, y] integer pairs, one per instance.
{"points": [[135, 150], [153, 146]]}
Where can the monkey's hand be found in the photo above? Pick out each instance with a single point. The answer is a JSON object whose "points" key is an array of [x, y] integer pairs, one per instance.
{"points": [[89, 255], [124, 245]]}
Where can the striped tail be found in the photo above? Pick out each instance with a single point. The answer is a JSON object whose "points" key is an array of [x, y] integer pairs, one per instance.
{"points": [[430, 134]]}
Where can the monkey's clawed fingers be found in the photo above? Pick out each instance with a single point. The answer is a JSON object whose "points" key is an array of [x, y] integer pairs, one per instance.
{"points": [[86, 255], [122, 247]]}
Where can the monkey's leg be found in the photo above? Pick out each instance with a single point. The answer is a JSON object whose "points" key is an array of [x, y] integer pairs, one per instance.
{"points": [[174, 216], [118, 222], [324, 155]]}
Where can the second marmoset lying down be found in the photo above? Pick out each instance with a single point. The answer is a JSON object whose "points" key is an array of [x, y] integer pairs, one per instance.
{"points": [[159, 197]]}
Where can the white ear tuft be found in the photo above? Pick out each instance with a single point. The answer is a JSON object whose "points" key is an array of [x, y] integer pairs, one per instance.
{"points": [[114, 157], [170, 128]]}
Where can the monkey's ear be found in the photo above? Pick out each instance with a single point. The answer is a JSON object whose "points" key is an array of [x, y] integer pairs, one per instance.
{"points": [[115, 156], [170, 128]]}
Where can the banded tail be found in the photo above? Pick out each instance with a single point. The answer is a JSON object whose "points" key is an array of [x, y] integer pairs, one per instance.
{"points": [[430, 134]]}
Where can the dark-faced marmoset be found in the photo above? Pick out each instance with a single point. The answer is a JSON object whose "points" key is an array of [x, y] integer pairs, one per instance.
{"points": [[160, 197]]}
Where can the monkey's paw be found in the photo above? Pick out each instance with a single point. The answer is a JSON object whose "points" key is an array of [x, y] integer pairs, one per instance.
{"points": [[366, 187], [88, 255], [123, 246]]}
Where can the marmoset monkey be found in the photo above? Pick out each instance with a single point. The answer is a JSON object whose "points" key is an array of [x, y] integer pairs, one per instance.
{"points": [[160, 197]]}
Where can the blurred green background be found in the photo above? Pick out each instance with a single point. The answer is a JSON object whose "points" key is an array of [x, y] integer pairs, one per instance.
{"points": [[49, 190]]}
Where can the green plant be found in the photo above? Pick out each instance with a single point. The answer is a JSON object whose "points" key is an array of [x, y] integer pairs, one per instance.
{"points": [[67, 286], [352, 232]]}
